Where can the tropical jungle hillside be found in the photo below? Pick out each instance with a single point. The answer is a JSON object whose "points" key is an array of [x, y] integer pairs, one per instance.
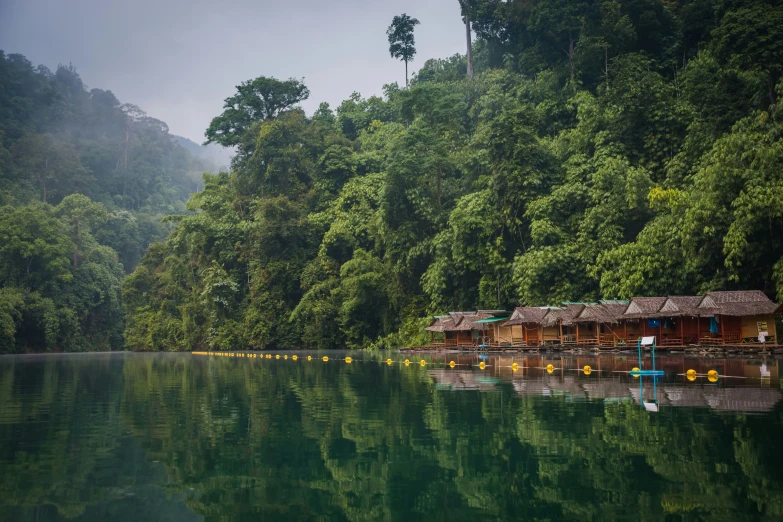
{"points": [[85, 183], [579, 150], [600, 149]]}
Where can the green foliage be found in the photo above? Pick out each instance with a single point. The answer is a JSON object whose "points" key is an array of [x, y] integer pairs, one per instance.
{"points": [[255, 100], [85, 182], [57, 139], [59, 288], [402, 44], [602, 150]]}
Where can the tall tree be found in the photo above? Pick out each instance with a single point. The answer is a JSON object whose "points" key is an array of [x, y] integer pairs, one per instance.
{"points": [[465, 7], [256, 100], [401, 42]]}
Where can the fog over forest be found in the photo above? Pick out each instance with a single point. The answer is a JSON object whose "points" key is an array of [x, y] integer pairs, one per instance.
{"points": [[541, 152]]}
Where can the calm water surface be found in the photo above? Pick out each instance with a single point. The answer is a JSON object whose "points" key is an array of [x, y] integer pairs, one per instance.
{"points": [[148, 437]]}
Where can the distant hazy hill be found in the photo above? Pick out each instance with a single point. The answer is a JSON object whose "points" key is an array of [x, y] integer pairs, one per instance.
{"points": [[218, 155]]}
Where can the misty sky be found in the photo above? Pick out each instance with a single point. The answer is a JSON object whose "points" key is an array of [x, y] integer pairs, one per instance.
{"points": [[178, 59]]}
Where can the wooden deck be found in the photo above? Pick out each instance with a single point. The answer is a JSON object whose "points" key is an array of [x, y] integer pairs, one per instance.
{"points": [[712, 345]]}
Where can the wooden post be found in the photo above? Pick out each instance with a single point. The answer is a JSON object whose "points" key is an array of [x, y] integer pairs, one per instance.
{"points": [[597, 334], [625, 329], [722, 339], [577, 333], [560, 325], [682, 330]]}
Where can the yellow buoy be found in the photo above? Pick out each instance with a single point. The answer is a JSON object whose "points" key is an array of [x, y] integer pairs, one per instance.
{"points": [[285, 357], [389, 362], [514, 367], [294, 357], [691, 376], [452, 364], [423, 362], [550, 368], [587, 370], [268, 356], [712, 376], [482, 365], [309, 357], [277, 356], [407, 362], [325, 358], [348, 360], [635, 369]]}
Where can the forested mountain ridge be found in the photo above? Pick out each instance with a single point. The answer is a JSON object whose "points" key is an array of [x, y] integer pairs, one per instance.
{"points": [[602, 149], [84, 184]]}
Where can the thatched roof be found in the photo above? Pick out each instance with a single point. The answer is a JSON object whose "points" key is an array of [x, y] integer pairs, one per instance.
{"points": [[740, 303], [643, 307], [603, 312], [685, 306], [564, 315], [466, 321], [441, 324], [527, 314]]}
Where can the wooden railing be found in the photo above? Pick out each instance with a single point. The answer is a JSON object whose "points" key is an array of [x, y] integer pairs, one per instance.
{"points": [[608, 340]]}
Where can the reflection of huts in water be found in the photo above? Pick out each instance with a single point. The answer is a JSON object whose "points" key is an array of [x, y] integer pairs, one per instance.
{"points": [[461, 380], [722, 399], [532, 387], [742, 399], [683, 396], [550, 386], [607, 389]]}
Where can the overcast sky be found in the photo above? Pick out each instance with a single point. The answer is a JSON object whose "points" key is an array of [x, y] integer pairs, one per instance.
{"points": [[178, 59]]}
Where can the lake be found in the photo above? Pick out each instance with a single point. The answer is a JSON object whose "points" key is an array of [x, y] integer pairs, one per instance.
{"points": [[153, 437]]}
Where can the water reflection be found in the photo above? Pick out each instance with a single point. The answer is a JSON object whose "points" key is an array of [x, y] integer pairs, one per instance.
{"points": [[181, 437]]}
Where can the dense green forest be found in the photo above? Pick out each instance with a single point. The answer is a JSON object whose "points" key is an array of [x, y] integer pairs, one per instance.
{"points": [[581, 149], [600, 149], [85, 183]]}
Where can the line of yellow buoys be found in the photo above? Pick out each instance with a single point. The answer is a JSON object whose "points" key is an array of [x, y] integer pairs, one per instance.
{"points": [[691, 375]]}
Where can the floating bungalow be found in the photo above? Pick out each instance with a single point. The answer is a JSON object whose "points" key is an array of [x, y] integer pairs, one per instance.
{"points": [[717, 318], [468, 328]]}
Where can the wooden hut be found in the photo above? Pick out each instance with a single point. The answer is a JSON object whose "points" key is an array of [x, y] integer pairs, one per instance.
{"points": [[525, 325], [679, 320], [601, 324], [739, 317], [441, 324], [487, 327], [639, 320], [558, 326]]}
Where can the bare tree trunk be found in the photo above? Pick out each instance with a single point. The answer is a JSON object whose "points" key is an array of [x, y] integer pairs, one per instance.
{"points": [[571, 59], [42, 179], [406, 73], [437, 185], [125, 162], [470, 45], [76, 245]]}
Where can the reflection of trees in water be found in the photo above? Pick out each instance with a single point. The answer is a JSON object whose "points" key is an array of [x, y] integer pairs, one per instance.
{"points": [[308, 440]]}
